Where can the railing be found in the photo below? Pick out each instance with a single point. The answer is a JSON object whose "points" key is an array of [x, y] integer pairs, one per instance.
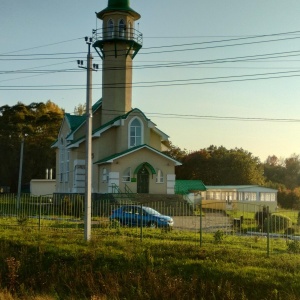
{"points": [[250, 225], [118, 32], [115, 189]]}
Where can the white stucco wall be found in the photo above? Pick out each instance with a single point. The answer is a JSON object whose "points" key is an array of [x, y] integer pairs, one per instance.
{"points": [[42, 187]]}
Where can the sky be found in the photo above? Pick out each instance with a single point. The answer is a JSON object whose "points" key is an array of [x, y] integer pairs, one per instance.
{"points": [[223, 73]]}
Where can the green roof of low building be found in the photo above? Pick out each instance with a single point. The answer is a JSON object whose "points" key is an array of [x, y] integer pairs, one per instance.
{"points": [[185, 187]]}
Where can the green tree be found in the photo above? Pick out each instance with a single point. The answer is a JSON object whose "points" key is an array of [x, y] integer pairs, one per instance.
{"points": [[219, 166], [80, 109], [174, 151], [38, 124], [292, 174], [274, 170], [284, 171]]}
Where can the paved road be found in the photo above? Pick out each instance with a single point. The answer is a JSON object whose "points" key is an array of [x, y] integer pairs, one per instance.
{"points": [[210, 222]]}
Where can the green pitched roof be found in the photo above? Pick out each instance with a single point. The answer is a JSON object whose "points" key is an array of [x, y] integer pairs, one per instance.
{"points": [[123, 153], [74, 120], [118, 5], [184, 187], [122, 117], [97, 105]]}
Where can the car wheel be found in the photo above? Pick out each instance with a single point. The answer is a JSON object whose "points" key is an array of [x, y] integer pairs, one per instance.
{"points": [[152, 224]]}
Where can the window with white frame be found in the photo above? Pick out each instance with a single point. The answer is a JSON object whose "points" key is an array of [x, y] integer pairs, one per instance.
{"points": [[135, 133], [267, 197], [110, 28], [159, 176], [248, 196], [67, 166], [61, 160], [104, 175], [210, 195], [126, 175]]}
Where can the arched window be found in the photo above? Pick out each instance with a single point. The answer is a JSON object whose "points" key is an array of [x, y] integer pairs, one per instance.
{"points": [[135, 133], [159, 176], [110, 28], [122, 28], [126, 175]]}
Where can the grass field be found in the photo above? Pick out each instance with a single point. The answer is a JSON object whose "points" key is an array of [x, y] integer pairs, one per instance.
{"points": [[164, 265]]}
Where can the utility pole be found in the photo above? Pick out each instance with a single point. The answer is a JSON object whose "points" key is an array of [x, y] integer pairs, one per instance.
{"points": [[88, 142]]}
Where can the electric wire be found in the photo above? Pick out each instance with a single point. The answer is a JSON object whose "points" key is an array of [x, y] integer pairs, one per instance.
{"points": [[162, 83], [176, 64]]}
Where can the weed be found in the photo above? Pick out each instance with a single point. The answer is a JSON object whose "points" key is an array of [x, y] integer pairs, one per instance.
{"points": [[13, 267], [114, 224], [256, 239], [22, 219], [218, 236]]}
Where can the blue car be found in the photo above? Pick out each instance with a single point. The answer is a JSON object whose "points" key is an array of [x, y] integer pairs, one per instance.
{"points": [[135, 215]]}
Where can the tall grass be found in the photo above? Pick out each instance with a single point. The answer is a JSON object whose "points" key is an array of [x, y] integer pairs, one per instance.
{"points": [[63, 266]]}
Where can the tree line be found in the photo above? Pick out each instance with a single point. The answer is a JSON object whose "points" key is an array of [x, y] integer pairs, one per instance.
{"points": [[220, 166], [38, 124]]}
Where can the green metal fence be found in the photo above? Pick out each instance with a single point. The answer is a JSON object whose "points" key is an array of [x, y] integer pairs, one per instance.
{"points": [[249, 225]]}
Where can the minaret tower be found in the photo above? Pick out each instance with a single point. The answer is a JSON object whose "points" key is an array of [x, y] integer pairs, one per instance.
{"points": [[117, 44]]}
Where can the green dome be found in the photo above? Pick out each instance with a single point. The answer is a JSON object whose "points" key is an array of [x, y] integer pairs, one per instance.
{"points": [[118, 5]]}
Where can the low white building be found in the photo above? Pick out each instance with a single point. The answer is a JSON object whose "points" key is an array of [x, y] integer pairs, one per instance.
{"points": [[239, 197], [42, 187]]}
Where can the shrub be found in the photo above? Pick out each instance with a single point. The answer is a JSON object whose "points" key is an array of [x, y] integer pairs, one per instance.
{"points": [[289, 231], [77, 206], [66, 206], [278, 223], [261, 216], [293, 247]]}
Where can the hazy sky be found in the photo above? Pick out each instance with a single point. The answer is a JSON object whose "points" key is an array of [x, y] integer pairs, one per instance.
{"points": [[203, 76]]}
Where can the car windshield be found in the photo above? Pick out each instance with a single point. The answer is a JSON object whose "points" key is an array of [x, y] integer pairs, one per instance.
{"points": [[151, 211]]}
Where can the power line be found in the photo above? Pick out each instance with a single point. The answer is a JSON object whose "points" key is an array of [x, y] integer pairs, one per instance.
{"points": [[176, 64], [41, 54], [218, 46], [221, 60], [42, 46], [160, 83], [160, 47], [229, 40], [211, 117]]}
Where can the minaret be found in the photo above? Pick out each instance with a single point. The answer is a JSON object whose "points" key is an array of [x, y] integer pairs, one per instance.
{"points": [[117, 44]]}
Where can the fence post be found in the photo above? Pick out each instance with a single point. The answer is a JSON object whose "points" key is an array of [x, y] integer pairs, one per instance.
{"points": [[141, 232], [268, 232], [40, 211], [200, 222]]}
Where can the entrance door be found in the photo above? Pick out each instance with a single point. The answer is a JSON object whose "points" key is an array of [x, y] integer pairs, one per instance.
{"points": [[143, 181]]}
